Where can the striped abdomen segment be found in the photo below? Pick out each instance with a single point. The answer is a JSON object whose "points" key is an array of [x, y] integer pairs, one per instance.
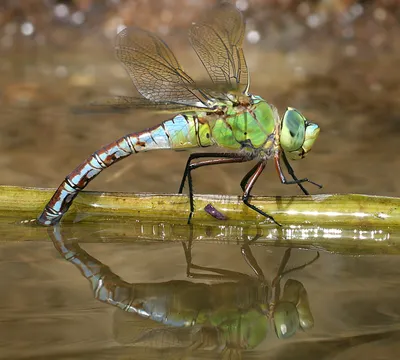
{"points": [[168, 303], [179, 132]]}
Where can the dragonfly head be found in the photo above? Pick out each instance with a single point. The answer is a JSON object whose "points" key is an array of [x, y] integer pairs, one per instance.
{"points": [[292, 312], [297, 134]]}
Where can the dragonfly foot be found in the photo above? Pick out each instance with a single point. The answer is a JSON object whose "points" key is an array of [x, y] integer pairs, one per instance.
{"points": [[309, 181], [251, 206], [300, 181]]}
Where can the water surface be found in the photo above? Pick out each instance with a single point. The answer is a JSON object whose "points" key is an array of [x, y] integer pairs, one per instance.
{"points": [[55, 302]]}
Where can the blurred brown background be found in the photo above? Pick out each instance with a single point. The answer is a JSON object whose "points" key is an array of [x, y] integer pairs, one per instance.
{"points": [[336, 61]]}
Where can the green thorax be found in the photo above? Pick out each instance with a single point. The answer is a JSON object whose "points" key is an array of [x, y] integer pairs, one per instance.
{"points": [[244, 125], [248, 124]]}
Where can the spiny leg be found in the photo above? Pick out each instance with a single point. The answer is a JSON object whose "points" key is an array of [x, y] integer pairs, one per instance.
{"points": [[248, 176], [255, 172], [228, 158], [281, 176], [189, 166], [291, 173], [290, 170]]}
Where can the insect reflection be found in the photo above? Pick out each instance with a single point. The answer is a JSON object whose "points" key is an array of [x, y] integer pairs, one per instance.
{"points": [[229, 315]]}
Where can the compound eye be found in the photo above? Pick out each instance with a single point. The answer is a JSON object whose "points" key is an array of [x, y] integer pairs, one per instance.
{"points": [[286, 320], [312, 131], [293, 130]]}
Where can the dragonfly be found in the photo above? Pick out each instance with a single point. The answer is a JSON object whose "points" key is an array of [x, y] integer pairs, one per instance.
{"points": [[230, 310], [221, 113]]}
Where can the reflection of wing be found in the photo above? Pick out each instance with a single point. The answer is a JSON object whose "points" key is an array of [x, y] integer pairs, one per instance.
{"points": [[218, 43], [131, 329], [155, 71]]}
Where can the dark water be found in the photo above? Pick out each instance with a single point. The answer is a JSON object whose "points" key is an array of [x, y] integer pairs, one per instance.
{"points": [[64, 291], [341, 75]]}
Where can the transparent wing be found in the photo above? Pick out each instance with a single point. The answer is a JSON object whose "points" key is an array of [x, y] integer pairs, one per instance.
{"points": [[155, 71], [218, 43], [130, 103], [130, 329]]}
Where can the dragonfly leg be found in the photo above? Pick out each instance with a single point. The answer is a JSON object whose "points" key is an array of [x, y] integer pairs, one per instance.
{"points": [[282, 272], [251, 260], [292, 174], [228, 158], [219, 274], [248, 176], [276, 282], [255, 172], [233, 157]]}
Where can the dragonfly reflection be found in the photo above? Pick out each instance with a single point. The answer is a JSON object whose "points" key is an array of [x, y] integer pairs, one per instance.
{"points": [[229, 315]]}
